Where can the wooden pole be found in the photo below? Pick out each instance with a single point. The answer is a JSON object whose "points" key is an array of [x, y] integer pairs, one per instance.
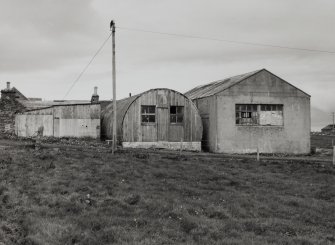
{"points": [[114, 88], [333, 155]]}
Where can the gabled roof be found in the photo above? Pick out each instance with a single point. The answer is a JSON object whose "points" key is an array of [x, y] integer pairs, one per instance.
{"points": [[18, 94], [329, 127], [217, 86], [221, 85]]}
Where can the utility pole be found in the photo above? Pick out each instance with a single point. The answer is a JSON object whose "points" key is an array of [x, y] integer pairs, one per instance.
{"points": [[112, 26], [333, 113]]}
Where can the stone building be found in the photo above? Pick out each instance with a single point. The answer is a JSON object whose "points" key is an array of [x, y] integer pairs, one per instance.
{"points": [[10, 104]]}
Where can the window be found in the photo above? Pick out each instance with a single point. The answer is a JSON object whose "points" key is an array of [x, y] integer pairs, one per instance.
{"points": [[246, 114], [176, 114], [148, 113], [259, 114], [271, 115]]}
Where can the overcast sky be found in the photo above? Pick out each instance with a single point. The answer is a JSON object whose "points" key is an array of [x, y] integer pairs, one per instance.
{"points": [[45, 44]]}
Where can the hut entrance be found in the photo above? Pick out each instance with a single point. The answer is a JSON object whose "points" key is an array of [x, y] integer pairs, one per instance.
{"points": [[162, 123]]}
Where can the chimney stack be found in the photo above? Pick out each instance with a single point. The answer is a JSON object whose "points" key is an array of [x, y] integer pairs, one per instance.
{"points": [[8, 85], [129, 94], [95, 96]]}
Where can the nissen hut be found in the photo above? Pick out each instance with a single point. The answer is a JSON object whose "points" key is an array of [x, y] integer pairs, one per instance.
{"points": [[254, 110], [160, 118]]}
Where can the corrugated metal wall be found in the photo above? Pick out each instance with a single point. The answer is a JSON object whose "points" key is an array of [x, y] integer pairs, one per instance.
{"points": [[61, 121]]}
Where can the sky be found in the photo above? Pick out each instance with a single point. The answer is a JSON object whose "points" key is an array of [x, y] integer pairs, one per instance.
{"points": [[45, 44]]}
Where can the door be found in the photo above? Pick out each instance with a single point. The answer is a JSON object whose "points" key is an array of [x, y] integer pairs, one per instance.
{"points": [[56, 127], [162, 123]]}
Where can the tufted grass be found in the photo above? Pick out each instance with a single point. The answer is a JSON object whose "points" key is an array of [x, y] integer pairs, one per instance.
{"points": [[71, 196]]}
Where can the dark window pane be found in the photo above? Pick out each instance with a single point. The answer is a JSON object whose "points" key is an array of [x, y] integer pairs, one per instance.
{"points": [[145, 118], [180, 109], [172, 109], [152, 118], [180, 119], [152, 109]]}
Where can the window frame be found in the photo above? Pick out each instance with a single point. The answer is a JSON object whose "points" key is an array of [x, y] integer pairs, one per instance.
{"points": [[260, 108], [176, 114], [148, 114]]}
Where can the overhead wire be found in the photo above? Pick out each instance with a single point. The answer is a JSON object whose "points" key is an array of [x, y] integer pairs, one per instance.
{"points": [[188, 36], [88, 64], [226, 40]]}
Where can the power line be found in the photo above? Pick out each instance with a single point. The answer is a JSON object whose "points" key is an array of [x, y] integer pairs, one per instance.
{"points": [[88, 64], [228, 41]]}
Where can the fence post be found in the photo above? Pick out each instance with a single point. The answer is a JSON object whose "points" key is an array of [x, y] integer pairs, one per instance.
{"points": [[181, 146], [257, 151]]}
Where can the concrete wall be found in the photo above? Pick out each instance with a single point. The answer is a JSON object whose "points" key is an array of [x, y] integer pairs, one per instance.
{"points": [[61, 121], [263, 88]]}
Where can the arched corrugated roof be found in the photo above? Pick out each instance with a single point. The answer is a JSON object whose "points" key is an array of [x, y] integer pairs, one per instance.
{"points": [[122, 107], [107, 116]]}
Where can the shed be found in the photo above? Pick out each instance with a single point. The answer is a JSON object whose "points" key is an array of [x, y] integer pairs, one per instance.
{"points": [[253, 110], [160, 118], [329, 129], [75, 120]]}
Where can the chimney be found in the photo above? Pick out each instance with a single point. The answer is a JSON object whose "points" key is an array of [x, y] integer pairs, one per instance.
{"points": [[95, 96], [8, 93], [129, 94]]}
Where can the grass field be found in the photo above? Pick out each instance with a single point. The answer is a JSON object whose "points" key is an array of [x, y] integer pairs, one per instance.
{"points": [[88, 196], [323, 141]]}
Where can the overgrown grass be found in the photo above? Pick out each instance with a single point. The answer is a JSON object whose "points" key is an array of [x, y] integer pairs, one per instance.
{"points": [[85, 197], [323, 141]]}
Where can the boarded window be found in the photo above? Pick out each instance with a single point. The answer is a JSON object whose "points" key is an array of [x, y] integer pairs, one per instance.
{"points": [[259, 114], [271, 115], [176, 114], [148, 113]]}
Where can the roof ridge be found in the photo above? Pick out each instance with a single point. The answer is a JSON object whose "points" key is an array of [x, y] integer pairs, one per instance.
{"points": [[203, 89]]}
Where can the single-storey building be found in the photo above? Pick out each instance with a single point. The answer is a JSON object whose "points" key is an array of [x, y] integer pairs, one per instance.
{"points": [[75, 120], [13, 102], [161, 118], [329, 129], [253, 110]]}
